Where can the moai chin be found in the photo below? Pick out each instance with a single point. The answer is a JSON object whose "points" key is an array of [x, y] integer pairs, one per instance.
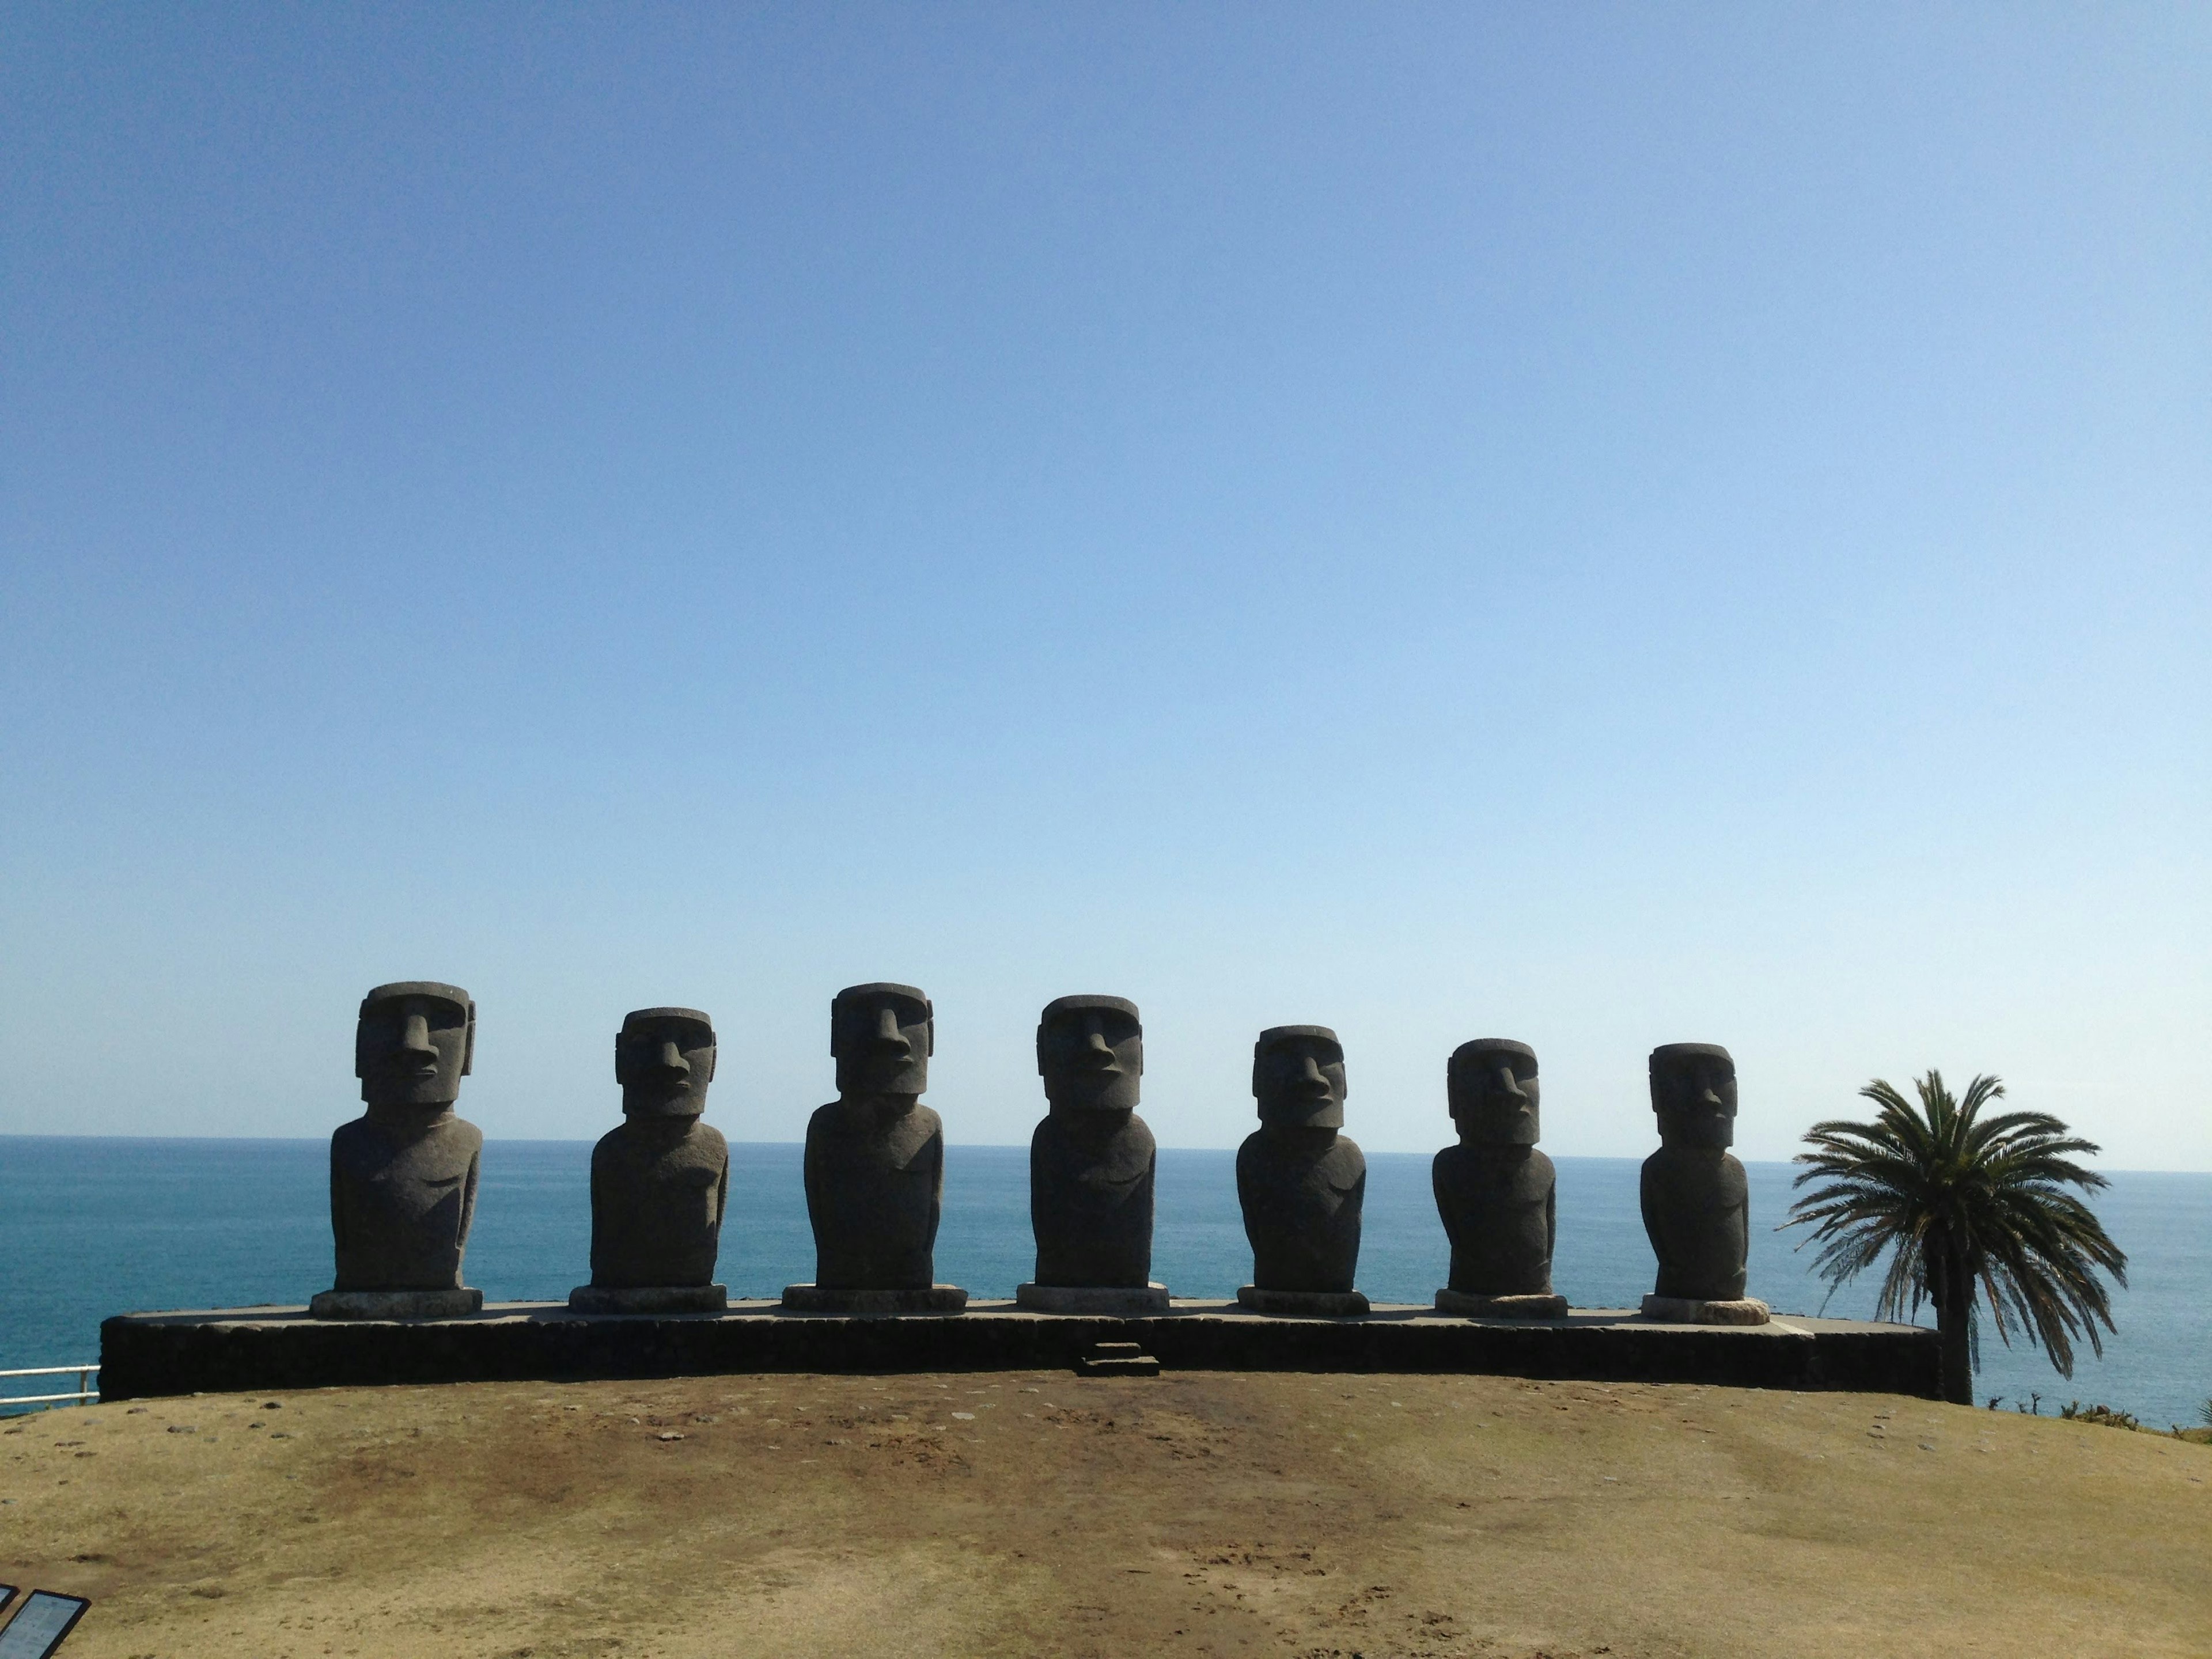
{"points": [[403, 1173], [1495, 1191], [1091, 1164], [659, 1183], [1300, 1180], [1697, 1205], [875, 1162]]}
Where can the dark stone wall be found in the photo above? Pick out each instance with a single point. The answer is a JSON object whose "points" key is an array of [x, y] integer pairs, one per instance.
{"points": [[274, 1349]]}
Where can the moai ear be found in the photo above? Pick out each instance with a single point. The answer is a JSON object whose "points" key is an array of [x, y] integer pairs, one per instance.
{"points": [[469, 1043]]}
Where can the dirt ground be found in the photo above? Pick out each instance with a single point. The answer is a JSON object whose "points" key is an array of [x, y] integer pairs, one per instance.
{"points": [[1037, 1513]]}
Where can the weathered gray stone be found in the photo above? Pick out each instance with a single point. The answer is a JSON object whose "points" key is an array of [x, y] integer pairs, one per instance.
{"points": [[403, 1174], [1697, 1204], [659, 1183], [396, 1304], [845, 1299], [1681, 1310], [1091, 1298], [649, 1298], [875, 1156], [1300, 1180], [1468, 1305], [1309, 1305], [1495, 1191], [1092, 1159]]}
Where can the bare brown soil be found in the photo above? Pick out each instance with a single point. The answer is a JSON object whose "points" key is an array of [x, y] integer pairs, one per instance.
{"points": [[1030, 1514]]}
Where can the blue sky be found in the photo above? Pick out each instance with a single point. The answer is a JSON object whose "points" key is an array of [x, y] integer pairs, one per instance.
{"points": [[1605, 526]]}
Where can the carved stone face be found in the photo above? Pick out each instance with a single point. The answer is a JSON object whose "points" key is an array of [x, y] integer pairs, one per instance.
{"points": [[881, 1036], [413, 1044], [1693, 1092], [664, 1060], [1491, 1083], [1297, 1075], [1090, 1053]]}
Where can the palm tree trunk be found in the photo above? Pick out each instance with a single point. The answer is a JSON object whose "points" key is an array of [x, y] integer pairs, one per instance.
{"points": [[1952, 1289]]}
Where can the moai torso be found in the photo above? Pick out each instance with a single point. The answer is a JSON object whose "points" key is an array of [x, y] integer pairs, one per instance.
{"points": [[875, 1156], [875, 1186], [1092, 1159], [1697, 1205], [403, 1174], [1499, 1210], [1090, 1197], [659, 1183], [1495, 1191], [403, 1194], [1301, 1190], [1697, 1211], [658, 1187]]}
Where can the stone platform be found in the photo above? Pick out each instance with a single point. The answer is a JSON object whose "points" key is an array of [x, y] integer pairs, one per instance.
{"points": [[271, 1348]]}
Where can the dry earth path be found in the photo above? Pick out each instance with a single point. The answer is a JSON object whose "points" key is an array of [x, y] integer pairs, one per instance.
{"points": [[1030, 1514]]}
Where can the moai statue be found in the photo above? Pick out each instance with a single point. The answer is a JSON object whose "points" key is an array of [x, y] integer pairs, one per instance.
{"points": [[875, 1163], [1300, 1180], [403, 1173], [1697, 1205], [1090, 1165], [1494, 1190], [658, 1182]]}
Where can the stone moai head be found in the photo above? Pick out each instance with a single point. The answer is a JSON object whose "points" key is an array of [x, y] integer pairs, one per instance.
{"points": [[883, 1036], [1491, 1083], [1298, 1077], [1090, 1053], [413, 1044], [664, 1060], [1693, 1092]]}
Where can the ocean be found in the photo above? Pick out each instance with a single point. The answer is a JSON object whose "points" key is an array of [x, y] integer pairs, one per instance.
{"points": [[91, 1227]]}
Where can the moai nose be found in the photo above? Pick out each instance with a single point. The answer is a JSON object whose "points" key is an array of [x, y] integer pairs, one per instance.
{"points": [[415, 1035], [1508, 1085], [887, 1029], [1314, 1074], [671, 1058], [1707, 1096]]}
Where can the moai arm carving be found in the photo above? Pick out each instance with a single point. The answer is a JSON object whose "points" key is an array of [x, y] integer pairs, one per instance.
{"points": [[468, 1202]]}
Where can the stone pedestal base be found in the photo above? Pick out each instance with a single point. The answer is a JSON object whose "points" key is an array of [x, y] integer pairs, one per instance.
{"points": [[1680, 1310], [649, 1298], [1468, 1305], [1092, 1298], [847, 1299], [397, 1304], [1314, 1305]]}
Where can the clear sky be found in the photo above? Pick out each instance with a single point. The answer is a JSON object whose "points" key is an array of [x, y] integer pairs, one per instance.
{"points": [[1602, 524]]}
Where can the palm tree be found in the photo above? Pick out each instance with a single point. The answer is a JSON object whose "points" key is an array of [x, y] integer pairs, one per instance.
{"points": [[1963, 1203]]}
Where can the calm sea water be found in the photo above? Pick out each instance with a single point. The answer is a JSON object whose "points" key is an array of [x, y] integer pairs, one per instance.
{"points": [[91, 1227]]}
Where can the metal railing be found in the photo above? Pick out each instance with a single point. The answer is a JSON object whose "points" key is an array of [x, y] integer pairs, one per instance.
{"points": [[85, 1394]]}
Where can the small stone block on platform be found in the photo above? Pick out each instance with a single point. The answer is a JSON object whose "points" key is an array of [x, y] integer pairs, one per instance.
{"points": [[1309, 1304], [845, 1299], [649, 1298], [1466, 1305], [397, 1304], [1680, 1310], [1091, 1298], [1116, 1359]]}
